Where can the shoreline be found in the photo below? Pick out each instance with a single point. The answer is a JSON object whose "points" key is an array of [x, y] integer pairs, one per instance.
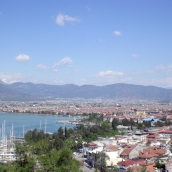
{"points": [[40, 114]]}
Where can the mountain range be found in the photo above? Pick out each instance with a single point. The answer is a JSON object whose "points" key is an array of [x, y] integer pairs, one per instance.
{"points": [[28, 92]]}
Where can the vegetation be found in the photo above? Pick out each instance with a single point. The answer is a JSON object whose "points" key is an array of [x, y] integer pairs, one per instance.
{"points": [[53, 152], [143, 169], [44, 152], [145, 124], [160, 165], [100, 161]]}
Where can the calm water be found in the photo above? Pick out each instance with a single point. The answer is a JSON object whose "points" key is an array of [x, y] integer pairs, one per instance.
{"points": [[30, 122]]}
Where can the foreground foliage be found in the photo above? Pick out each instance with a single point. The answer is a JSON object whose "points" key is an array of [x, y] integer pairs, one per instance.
{"points": [[43, 152]]}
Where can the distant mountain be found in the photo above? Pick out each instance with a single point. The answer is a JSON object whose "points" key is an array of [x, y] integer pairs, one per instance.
{"points": [[2, 82], [9, 94], [29, 91], [170, 87]]}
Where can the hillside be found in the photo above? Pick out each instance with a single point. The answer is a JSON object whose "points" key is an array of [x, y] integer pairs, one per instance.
{"points": [[30, 91]]}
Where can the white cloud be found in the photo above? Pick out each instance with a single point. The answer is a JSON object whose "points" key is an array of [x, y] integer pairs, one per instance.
{"points": [[109, 73], [160, 68], [42, 67], [58, 82], [160, 82], [135, 55], [67, 61], [22, 58], [109, 77], [11, 78], [117, 33], [61, 19], [163, 69]]}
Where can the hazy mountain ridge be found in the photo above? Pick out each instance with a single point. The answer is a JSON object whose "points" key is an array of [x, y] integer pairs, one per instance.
{"points": [[29, 91], [10, 94]]}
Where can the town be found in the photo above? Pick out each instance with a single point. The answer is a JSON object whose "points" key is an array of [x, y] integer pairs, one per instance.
{"points": [[143, 140]]}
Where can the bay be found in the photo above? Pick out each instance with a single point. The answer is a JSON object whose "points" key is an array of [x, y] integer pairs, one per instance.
{"points": [[26, 122]]}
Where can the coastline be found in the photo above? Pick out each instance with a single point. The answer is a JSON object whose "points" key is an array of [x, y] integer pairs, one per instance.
{"points": [[30, 121]]}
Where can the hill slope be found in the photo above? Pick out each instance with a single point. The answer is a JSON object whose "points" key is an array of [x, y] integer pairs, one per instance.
{"points": [[30, 91]]}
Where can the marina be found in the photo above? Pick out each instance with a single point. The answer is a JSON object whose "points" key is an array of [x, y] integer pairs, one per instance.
{"points": [[14, 126], [7, 147], [73, 122], [25, 122]]}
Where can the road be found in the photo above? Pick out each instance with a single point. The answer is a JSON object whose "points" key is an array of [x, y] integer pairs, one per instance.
{"points": [[84, 168]]}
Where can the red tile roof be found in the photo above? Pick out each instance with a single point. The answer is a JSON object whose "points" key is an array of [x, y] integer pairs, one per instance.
{"points": [[129, 162], [127, 150]]}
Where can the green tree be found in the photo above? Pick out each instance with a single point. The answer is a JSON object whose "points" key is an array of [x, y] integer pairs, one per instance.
{"points": [[113, 169], [70, 143], [60, 161], [143, 169], [101, 161], [105, 126], [132, 123], [58, 142], [28, 136], [66, 133], [23, 159], [114, 124], [129, 170], [140, 126], [60, 133], [125, 122]]}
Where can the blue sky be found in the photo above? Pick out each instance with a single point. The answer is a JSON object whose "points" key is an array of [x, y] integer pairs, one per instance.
{"points": [[86, 42]]}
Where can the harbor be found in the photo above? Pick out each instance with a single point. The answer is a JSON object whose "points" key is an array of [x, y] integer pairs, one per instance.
{"points": [[14, 127], [7, 146], [25, 122], [73, 122]]}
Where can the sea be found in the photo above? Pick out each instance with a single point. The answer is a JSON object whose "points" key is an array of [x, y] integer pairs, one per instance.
{"points": [[24, 122]]}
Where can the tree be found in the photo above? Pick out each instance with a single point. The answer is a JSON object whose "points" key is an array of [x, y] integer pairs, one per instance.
{"points": [[113, 169], [114, 124], [129, 170], [100, 160], [143, 169], [28, 136], [23, 161], [140, 126], [35, 134], [58, 142], [66, 133], [70, 143], [61, 161], [131, 127], [60, 133], [159, 124], [105, 126], [160, 165], [125, 122], [95, 129], [132, 123]]}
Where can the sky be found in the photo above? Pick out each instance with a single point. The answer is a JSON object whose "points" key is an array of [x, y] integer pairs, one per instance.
{"points": [[86, 42]]}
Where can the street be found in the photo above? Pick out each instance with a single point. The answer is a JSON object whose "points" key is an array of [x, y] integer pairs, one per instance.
{"points": [[84, 168]]}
